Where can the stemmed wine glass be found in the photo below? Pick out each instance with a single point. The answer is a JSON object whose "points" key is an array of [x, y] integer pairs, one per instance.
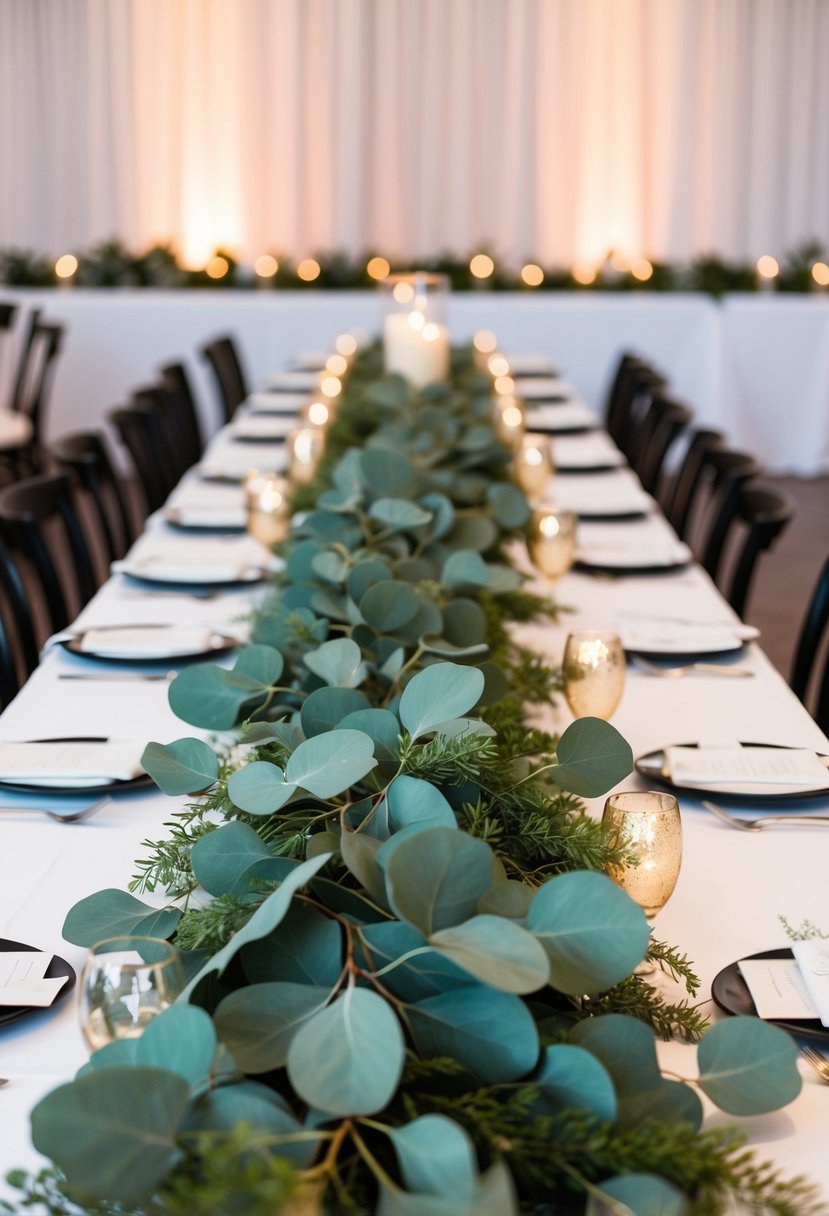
{"points": [[594, 672], [647, 826], [125, 983]]}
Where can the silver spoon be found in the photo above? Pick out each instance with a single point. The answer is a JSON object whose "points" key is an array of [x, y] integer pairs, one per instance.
{"points": [[757, 825], [85, 812]]}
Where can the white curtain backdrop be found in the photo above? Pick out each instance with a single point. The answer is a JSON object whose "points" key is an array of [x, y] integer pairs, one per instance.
{"points": [[553, 129]]}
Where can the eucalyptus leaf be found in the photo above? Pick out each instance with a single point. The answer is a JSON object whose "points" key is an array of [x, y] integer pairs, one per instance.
{"points": [[497, 952], [338, 662], [260, 788], [398, 513], [491, 1033], [330, 763], [473, 530], [388, 606], [365, 574], [380, 725], [305, 948], [257, 1106], [510, 898], [257, 1023], [262, 663], [187, 766], [594, 933], [438, 693], [115, 913], [591, 757], [209, 696], [435, 878], [233, 859], [494, 1196], [324, 709], [464, 570], [509, 505], [113, 1131], [443, 514], [419, 975], [348, 1058], [640, 1194], [572, 1078], [388, 474], [330, 566], [436, 1157], [464, 622], [359, 853], [413, 800], [748, 1067]]}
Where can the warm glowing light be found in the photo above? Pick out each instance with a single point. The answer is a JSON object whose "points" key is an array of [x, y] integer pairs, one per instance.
{"points": [[767, 267], [584, 274], [377, 268], [532, 275], [513, 418], [485, 341], [346, 345], [504, 385], [820, 273], [641, 270], [481, 266], [336, 364], [317, 413], [217, 267], [403, 293], [66, 265], [308, 270], [330, 386], [266, 266], [416, 320], [620, 261], [431, 332], [498, 365]]}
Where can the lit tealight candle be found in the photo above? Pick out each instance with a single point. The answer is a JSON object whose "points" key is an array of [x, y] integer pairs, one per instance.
{"points": [[508, 420], [415, 348], [820, 276], [484, 344], [268, 506], [305, 448], [767, 272], [317, 413], [532, 465], [66, 267], [551, 540], [330, 386], [497, 366]]}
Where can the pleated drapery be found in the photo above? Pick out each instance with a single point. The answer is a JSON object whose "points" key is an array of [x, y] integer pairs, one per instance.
{"points": [[552, 129]]}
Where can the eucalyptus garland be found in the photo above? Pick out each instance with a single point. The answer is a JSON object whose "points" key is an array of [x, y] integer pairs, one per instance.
{"points": [[411, 985]]}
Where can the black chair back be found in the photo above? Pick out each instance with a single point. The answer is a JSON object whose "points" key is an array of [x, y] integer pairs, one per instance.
{"points": [[665, 421], [810, 676], [18, 644], [176, 383], [679, 495], [139, 429], [725, 471], [86, 453], [223, 358]]}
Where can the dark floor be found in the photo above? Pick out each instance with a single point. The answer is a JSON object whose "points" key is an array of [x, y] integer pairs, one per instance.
{"points": [[786, 576]]}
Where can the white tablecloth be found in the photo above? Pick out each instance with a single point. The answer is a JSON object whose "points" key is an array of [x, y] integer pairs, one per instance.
{"points": [[732, 890]]}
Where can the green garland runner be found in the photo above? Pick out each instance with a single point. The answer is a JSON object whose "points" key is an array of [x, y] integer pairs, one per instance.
{"points": [[411, 986]]}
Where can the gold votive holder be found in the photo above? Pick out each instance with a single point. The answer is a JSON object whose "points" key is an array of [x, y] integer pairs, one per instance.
{"points": [[267, 502], [508, 420], [484, 344], [551, 540], [305, 448], [532, 464]]}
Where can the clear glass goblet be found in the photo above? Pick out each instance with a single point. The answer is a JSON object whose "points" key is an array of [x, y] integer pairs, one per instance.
{"points": [[532, 464], [125, 983], [593, 669]]}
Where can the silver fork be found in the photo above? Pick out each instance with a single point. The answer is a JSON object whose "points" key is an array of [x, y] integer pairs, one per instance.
{"points": [[85, 812], [757, 825], [818, 1062], [689, 669]]}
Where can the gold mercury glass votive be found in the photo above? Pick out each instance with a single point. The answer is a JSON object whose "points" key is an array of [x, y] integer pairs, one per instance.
{"points": [[551, 540], [508, 420], [532, 464], [267, 501], [305, 447]]}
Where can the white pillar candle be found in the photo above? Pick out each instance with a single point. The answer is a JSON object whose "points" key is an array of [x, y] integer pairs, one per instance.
{"points": [[416, 348]]}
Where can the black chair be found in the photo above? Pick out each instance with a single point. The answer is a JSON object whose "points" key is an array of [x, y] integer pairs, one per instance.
{"points": [[678, 494], [664, 422], [167, 433], [631, 423], [229, 376], [176, 383], [86, 453], [18, 644], [21, 426], [139, 428], [39, 521], [759, 516], [723, 474], [810, 669]]}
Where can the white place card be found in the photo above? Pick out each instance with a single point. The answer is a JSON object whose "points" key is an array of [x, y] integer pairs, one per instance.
{"points": [[777, 988], [793, 766], [813, 960], [23, 980], [148, 641], [70, 762]]}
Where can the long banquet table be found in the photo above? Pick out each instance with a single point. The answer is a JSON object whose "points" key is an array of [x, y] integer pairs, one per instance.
{"points": [[733, 886]]}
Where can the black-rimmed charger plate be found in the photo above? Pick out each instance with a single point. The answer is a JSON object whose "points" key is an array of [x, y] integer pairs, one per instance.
{"points": [[612, 517], [730, 993], [56, 969], [674, 658], [223, 642], [613, 571], [77, 791], [597, 466], [581, 428], [651, 766], [173, 519]]}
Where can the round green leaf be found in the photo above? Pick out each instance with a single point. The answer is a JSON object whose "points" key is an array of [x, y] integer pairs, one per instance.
{"points": [[262, 663], [443, 514], [509, 505], [416, 978], [571, 1078], [112, 1131], [497, 952], [347, 1059], [463, 570], [591, 758], [491, 1033], [328, 764], [398, 513], [231, 859], [594, 933], [386, 473], [411, 800], [389, 605], [435, 878], [473, 531], [748, 1067], [365, 574], [212, 697], [306, 948], [510, 898], [257, 1106], [338, 662], [436, 1157], [259, 788], [330, 566], [187, 766], [114, 913], [257, 1023], [464, 622], [181, 1040], [438, 693], [380, 725], [325, 708]]}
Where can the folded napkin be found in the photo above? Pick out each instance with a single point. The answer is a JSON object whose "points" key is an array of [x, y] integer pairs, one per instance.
{"points": [[147, 642], [658, 552], [582, 451], [532, 365], [76, 762], [674, 636], [206, 517], [173, 558], [812, 958], [23, 978], [275, 403], [255, 426], [292, 382], [559, 419], [772, 766], [543, 388], [224, 466], [188, 569]]}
